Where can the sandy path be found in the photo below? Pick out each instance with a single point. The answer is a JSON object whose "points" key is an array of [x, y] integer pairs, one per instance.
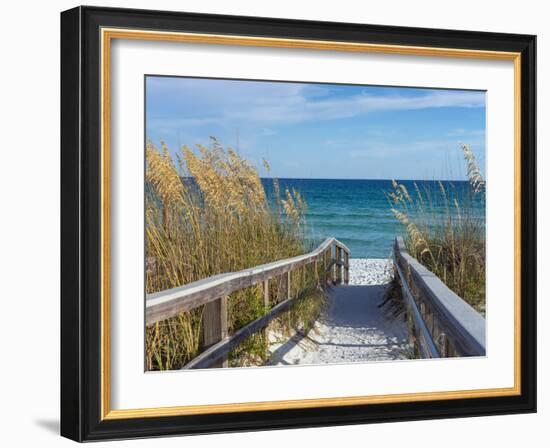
{"points": [[353, 328]]}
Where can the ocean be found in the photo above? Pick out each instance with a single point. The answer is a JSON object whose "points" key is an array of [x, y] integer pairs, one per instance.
{"points": [[357, 212]]}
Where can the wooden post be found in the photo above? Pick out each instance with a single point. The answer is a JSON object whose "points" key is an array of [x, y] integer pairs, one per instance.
{"points": [[330, 267], [266, 295], [338, 266], [280, 286], [430, 324], [451, 352], [341, 267], [316, 271], [214, 325], [346, 268], [413, 342], [333, 266], [326, 273], [443, 345], [266, 310]]}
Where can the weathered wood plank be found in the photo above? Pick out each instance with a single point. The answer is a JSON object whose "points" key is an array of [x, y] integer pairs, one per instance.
{"points": [[423, 335], [316, 271], [266, 294], [214, 324], [288, 285], [346, 268], [222, 348], [338, 266], [165, 304], [341, 246], [212, 356], [326, 268], [463, 326]]}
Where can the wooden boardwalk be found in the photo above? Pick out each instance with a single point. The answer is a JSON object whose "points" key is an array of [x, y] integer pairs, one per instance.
{"points": [[353, 329]]}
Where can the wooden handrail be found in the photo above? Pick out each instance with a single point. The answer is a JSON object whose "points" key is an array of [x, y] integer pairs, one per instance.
{"points": [[221, 349], [456, 327], [213, 292], [165, 304], [426, 344]]}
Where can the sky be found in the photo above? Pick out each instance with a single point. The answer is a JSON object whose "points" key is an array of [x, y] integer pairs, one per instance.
{"points": [[331, 131]]}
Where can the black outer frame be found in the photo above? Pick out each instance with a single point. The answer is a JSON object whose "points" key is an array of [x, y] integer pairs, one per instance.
{"points": [[80, 223]]}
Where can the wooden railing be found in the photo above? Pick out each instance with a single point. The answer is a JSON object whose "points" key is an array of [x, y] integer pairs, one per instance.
{"points": [[332, 256], [443, 324]]}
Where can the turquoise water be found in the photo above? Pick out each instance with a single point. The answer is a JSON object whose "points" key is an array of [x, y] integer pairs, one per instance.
{"points": [[357, 212]]}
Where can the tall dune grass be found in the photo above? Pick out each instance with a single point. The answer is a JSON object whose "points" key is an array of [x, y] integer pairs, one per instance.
{"points": [[450, 244], [207, 213]]}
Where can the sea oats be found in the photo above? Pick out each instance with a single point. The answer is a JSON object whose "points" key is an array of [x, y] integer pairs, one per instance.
{"points": [[207, 213], [474, 173], [450, 243]]}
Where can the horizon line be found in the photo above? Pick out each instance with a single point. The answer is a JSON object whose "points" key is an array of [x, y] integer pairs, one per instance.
{"points": [[352, 178], [358, 178]]}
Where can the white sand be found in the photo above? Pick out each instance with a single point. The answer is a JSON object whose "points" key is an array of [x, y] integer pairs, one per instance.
{"points": [[369, 271], [353, 327]]}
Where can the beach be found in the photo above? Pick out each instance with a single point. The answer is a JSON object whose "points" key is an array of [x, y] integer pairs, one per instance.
{"points": [[370, 271]]}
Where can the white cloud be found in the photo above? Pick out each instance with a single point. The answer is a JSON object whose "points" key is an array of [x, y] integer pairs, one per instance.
{"points": [[466, 133], [381, 149], [268, 132], [300, 108], [203, 102]]}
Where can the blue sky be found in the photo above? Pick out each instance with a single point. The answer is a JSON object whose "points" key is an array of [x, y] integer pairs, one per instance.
{"points": [[322, 130]]}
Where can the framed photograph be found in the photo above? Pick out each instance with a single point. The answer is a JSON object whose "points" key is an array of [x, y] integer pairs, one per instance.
{"points": [[274, 223]]}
